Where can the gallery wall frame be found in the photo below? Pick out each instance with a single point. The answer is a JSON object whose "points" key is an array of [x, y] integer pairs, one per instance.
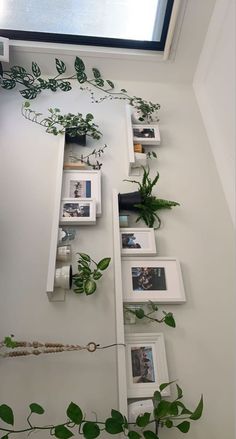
{"points": [[146, 134], [146, 364], [152, 278], [4, 49], [137, 241], [83, 184], [78, 211]]}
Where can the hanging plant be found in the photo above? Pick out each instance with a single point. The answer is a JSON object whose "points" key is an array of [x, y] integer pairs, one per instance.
{"points": [[32, 84]]}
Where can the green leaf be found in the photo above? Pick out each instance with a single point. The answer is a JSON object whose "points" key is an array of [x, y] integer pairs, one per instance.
{"points": [[174, 408], [169, 423], [139, 313], [85, 257], [36, 408], [184, 426], [89, 286], [113, 426], [97, 275], [62, 432], [65, 86], [29, 93], [123, 90], [110, 83], [184, 410], [5, 436], [60, 66], [8, 84], [169, 320], [148, 434], [134, 435], [162, 409], [79, 65], [9, 342], [117, 415], [91, 430], [6, 414], [154, 154], [103, 264], [153, 305], [18, 71], [164, 385], [198, 411], [157, 397], [99, 82], [143, 420], [74, 413], [96, 73], [179, 391], [36, 70]]}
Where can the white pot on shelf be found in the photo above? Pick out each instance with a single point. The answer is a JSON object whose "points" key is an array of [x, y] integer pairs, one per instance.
{"points": [[63, 277]]}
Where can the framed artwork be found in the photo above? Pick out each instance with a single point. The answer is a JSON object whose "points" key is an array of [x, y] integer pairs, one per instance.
{"points": [[4, 49], [146, 134], [137, 241], [83, 184], [80, 211], [146, 364], [152, 278]]}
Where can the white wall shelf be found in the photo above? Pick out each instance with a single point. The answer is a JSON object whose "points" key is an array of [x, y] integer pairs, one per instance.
{"points": [[56, 294]]}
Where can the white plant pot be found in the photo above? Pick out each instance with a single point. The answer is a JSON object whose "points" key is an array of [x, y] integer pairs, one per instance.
{"points": [[63, 277]]}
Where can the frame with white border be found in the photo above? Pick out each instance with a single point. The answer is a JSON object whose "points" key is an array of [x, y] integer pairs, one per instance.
{"points": [[4, 49], [145, 139], [79, 220], [84, 175], [155, 341], [142, 235], [174, 291]]}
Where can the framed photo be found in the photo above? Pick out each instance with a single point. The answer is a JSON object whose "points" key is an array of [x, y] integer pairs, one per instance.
{"points": [[80, 211], [83, 184], [137, 241], [146, 364], [152, 278], [146, 134], [4, 49]]}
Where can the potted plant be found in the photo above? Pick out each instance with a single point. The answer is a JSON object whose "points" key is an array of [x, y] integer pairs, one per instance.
{"points": [[75, 126], [89, 272], [143, 202]]}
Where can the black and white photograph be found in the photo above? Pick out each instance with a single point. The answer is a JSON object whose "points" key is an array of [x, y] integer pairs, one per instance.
{"points": [[146, 134], [146, 364], [83, 184], [138, 241], [152, 278], [78, 211]]}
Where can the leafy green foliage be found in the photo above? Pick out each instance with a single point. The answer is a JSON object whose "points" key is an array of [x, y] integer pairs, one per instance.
{"points": [[149, 203], [168, 318], [36, 408], [91, 430], [6, 414], [62, 432], [74, 413], [89, 272]]}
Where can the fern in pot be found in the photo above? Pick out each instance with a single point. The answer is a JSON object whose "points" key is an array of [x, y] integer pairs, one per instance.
{"points": [[143, 202]]}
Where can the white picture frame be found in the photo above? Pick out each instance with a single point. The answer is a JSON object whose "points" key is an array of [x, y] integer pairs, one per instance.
{"points": [[4, 49], [86, 207], [146, 364], [84, 183], [152, 278], [146, 134], [137, 241]]}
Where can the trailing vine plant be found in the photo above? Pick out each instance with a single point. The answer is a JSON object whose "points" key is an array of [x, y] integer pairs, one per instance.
{"points": [[169, 414], [139, 312], [32, 84]]}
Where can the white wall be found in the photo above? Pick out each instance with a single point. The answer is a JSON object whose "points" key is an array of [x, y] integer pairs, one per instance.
{"points": [[214, 85], [199, 233]]}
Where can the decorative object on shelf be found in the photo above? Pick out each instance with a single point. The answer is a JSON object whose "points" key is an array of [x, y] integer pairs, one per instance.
{"points": [[138, 147], [89, 272], [169, 414], [4, 51], [151, 278], [140, 160], [124, 220], [83, 184], [90, 159], [66, 234], [146, 134], [63, 277], [64, 253], [75, 126], [34, 84], [143, 202], [137, 241], [76, 211], [146, 313], [146, 364]]}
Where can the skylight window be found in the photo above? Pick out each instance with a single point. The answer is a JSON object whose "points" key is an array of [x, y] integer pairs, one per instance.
{"points": [[116, 23]]}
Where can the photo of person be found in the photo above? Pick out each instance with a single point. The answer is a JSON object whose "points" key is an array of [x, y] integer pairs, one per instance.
{"points": [[129, 241], [148, 278], [80, 189], [146, 133], [142, 364], [71, 210]]}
